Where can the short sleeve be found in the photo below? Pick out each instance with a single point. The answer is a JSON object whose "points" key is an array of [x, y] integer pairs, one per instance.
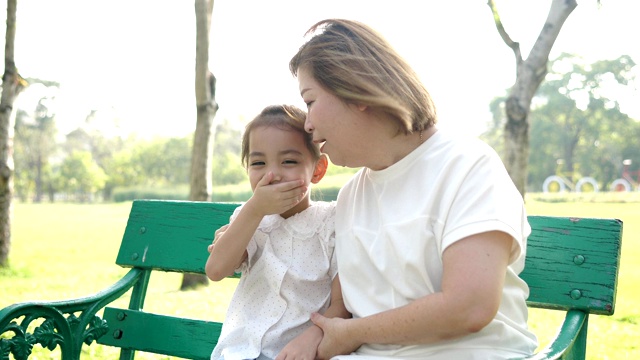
{"points": [[487, 200], [251, 247]]}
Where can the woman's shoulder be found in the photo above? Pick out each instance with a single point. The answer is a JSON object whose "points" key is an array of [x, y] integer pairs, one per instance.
{"points": [[452, 139], [449, 147]]}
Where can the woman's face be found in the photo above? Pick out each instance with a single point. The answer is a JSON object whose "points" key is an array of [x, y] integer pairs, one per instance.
{"points": [[332, 122]]}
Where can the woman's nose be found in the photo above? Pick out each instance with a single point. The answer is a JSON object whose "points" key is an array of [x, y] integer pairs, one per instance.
{"points": [[308, 127]]}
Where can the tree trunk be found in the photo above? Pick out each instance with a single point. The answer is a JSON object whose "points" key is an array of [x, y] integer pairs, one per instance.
{"points": [[12, 84], [202, 152], [529, 75], [38, 197]]}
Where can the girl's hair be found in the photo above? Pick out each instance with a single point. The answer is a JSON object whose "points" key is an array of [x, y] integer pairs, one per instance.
{"points": [[284, 117], [356, 64]]}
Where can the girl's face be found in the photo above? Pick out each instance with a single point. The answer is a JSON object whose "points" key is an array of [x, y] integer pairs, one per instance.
{"points": [[333, 123], [282, 152]]}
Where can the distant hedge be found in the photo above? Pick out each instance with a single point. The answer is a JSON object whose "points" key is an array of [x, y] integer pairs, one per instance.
{"points": [[222, 194], [121, 194]]}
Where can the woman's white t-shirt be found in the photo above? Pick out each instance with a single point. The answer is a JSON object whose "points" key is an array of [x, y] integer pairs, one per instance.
{"points": [[393, 225]]}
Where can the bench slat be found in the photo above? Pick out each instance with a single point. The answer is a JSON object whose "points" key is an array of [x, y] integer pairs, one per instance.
{"points": [[171, 235], [160, 334], [573, 263]]}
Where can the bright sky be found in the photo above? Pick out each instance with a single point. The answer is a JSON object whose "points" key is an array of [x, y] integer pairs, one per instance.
{"points": [[134, 60]]}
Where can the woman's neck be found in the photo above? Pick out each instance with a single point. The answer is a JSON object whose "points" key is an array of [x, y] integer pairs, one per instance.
{"points": [[398, 147]]}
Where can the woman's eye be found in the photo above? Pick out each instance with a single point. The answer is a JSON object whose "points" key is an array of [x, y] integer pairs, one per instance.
{"points": [[309, 104]]}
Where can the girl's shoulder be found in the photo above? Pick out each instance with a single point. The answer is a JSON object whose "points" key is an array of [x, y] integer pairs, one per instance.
{"points": [[319, 211], [317, 219]]}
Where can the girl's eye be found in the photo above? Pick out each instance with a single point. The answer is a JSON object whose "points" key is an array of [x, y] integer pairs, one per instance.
{"points": [[309, 103], [290, 162], [257, 163]]}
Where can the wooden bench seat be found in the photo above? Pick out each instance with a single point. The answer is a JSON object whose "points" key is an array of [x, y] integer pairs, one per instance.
{"points": [[572, 266]]}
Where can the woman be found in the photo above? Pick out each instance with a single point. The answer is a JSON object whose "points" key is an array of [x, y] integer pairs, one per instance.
{"points": [[431, 232]]}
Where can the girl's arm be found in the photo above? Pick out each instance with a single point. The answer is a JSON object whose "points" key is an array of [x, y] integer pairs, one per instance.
{"points": [[230, 249], [474, 271], [305, 345], [336, 307]]}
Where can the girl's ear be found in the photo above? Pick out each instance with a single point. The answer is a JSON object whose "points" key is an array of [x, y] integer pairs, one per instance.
{"points": [[321, 168]]}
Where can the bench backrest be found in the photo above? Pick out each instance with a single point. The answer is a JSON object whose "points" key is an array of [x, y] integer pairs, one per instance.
{"points": [[571, 264], [171, 235]]}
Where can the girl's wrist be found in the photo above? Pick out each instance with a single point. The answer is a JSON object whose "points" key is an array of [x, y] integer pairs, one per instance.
{"points": [[253, 209]]}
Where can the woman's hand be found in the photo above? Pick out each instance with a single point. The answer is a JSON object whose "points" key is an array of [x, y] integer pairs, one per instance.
{"points": [[336, 340]]}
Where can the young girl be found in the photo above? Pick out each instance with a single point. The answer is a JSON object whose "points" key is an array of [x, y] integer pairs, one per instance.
{"points": [[281, 242]]}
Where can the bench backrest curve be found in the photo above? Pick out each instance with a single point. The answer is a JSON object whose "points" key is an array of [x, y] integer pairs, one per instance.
{"points": [[572, 263]]}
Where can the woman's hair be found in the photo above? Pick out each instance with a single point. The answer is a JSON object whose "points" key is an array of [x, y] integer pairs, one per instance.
{"points": [[284, 117], [356, 64]]}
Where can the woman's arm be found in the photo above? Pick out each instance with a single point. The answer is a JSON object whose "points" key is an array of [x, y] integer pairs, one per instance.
{"points": [[474, 271]]}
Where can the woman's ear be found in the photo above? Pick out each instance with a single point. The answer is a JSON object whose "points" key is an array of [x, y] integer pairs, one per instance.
{"points": [[321, 168]]}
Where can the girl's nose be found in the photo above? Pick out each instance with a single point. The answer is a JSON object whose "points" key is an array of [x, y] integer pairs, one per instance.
{"points": [[276, 177]]}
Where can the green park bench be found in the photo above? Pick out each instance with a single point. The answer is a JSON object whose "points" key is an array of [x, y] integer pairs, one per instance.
{"points": [[572, 266]]}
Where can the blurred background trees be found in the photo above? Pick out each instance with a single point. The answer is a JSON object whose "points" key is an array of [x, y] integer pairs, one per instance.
{"points": [[87, 164], [576, 117]]}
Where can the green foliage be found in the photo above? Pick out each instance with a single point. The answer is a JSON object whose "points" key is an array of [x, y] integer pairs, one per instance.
{"points": [[131, 168], [334, 170], [130, 193], [227, 168], [228, 193], [94, 141], [494, 136], [326, 190], [576, 117], [81, 176], [163, 161], [123, 171], [324, 193], [34, 145], [220, 195]]}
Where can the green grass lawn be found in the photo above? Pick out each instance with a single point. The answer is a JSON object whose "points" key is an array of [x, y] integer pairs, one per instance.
{"points": [[62, 251]]}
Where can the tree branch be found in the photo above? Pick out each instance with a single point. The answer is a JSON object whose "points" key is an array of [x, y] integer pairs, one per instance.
{"points": [[515, 46], [558, 14]]}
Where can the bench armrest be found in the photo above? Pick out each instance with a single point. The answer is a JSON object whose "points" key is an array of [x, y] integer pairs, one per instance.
{"points": [[59, 323], [570, 341]]}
